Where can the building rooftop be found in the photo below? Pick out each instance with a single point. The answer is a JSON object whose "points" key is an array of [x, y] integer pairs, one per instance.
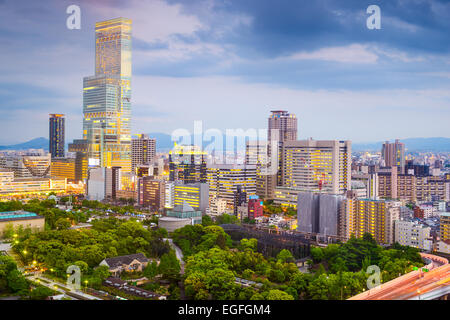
{"points": [[18, 215]]}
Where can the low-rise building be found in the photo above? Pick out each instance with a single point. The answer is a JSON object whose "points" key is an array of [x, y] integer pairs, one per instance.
{"points": [[21, 218], [129, 263], [412, 234]]}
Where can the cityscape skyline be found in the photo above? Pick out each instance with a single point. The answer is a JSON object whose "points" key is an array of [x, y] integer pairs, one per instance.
{"points": [[204, 60]]}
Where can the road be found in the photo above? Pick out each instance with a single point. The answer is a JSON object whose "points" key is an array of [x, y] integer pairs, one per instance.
{"points": [[58, 286], [414, 284], [178, 253]]}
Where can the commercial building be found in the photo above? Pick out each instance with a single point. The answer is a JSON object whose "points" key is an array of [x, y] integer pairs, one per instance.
{"points": [[27, 166], [318, 213], [187, 164], [151, 193], [11, 187], [194, 194], [64, 168], [169, 194], [143, 151], [317, 165], [22, 219], [81, 148], [107, 96], [393, 155], [103, 183], [412, 234], [255, 207], [360, 216], [56, 135], [224, 180]]}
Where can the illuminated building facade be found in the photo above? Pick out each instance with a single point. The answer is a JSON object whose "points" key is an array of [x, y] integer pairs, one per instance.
{"points": [[194, 194], [393, 155], [257, 153], [444, 230], [27, 166], [377, 217], [187, 164], [224, 180], [56, 135], [151, 193], [63, 168], [143, 151], [255, 207], [29, 187], [317, 165], [107, 96]]}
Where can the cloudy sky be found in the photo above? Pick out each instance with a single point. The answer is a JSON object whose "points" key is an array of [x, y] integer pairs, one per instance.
{"points": [[229, 62]]}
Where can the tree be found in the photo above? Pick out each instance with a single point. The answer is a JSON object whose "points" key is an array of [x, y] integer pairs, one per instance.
{"points": [[151, 270], [169, 266], [207, 221], [16, 281], [40, 293], [62, 224], [285, 256], [278, 295], [251, 244]]}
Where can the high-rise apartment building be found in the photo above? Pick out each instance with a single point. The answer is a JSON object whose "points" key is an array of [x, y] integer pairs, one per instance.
{"points": [[187, 164], [56, 135], [314, 165], [224, 180], [444, 229], [143, 151], [412, 234], [360, 216], [107, 96], [393, 155]]}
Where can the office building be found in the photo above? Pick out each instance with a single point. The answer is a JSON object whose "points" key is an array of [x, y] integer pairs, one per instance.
{"points": [[143, 151], [56, 135], [317, 165], [151, 193], [412, 234], [12, 188], [224, 179], [194, 194], [103, 183], [169, 194], [187, 164], [107, 96], [63, 168], [80, 148], [257, 153], [393, 155]]}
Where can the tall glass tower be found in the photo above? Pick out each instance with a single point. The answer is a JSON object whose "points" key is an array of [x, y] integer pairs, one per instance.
{"points": [[56, 135], [107, 96]]}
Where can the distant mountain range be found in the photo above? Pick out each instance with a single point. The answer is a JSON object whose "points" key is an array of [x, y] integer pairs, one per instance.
{"points": [[411, 144], [38, 143], [164, 142]]}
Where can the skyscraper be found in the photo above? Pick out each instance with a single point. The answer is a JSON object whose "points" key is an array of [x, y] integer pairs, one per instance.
{"points": [[393, 155], [285, 123], [143, 151], [107, 96], [56, 135], [282, 127]]}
